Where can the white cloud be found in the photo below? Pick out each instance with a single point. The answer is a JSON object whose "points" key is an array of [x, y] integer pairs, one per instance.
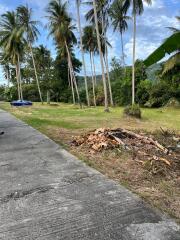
{"points": [[114, 40], [143, 48], [161, 21], [3, 8], [39, 3], [156, 4]]}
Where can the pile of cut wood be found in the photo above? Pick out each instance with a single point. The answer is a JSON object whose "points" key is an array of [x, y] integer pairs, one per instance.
{"points": [[105, 138], [145, 148]]}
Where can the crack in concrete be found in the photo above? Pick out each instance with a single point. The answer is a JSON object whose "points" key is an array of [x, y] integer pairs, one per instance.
{"points": [[22, 193]]}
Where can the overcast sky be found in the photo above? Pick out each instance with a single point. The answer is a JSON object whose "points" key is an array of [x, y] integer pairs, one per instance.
{"points": [[151, 28]]}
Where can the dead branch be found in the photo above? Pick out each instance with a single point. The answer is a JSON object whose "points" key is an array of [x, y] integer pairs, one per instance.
{"points": [[147, 140]]}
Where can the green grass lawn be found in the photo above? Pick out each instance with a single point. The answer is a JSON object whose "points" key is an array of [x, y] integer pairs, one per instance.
{"points": [[71, 117]]}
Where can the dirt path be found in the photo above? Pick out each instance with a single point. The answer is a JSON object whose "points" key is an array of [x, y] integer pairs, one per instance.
{"points": [[46, 193]]}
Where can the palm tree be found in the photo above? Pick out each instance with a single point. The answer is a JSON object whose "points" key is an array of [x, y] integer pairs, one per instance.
{"points": [[12, 43], [104, 45], [102, 8], [89, 40], [31, 31], [63, 54], [82, 51], [137, 9], [101, 57], [61, 28], [119, 21]]}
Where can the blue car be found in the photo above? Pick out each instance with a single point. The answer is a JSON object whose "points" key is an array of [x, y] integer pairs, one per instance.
{"points": [[19, 103]]}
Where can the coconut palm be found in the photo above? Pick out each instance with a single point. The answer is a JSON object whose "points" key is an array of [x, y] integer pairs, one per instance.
{"points": [[82, 51], [101, 57], [137, 9], [102, 8], [12, 43], [61, 28], [31, 32], [63, 54], [119, 21], [89, 40]]}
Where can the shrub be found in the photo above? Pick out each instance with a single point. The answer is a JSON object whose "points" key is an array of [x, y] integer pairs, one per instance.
{"points": [[173, 102], [133, 111]]}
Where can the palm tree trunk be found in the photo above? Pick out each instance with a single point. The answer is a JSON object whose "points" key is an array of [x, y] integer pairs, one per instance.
{"points": [[8, 75], [134, 57], [73, 75], [20, 83], [106, 61], [108, 76], [101, 58], [82, 52], [48, 97], [94, 68], [35, 71], [71, 79], [122, 49], [93, 83], [17, 78]]}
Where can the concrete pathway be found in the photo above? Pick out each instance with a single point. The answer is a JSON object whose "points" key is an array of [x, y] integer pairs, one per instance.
{"points": [[47, 194]]}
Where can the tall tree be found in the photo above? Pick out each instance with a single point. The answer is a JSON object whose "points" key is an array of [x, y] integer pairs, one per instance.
{"points": [[61, 28], [101, 58], [137, 9], [102, 8], [12, 43], [62, 53], [31, 31], [82, 51], [89, 40], [119, 21]]}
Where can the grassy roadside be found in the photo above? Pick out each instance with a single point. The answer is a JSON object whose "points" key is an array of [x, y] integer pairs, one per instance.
{"points": [[61, 122]]}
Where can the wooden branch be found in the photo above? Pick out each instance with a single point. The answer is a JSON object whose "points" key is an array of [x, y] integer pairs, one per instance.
{"points": [[146, 140], [119, 141]]}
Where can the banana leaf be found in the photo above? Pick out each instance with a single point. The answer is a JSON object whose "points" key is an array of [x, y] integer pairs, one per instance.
{"points": [[170, 45]]}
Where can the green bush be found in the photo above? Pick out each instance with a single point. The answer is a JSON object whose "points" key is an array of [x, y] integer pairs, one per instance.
{"points": [[173, 102], [133, 111], [143, 91], [2, 93]]}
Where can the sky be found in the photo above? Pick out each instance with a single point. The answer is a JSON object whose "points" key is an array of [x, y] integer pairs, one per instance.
{"points": [[151, 28]]}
